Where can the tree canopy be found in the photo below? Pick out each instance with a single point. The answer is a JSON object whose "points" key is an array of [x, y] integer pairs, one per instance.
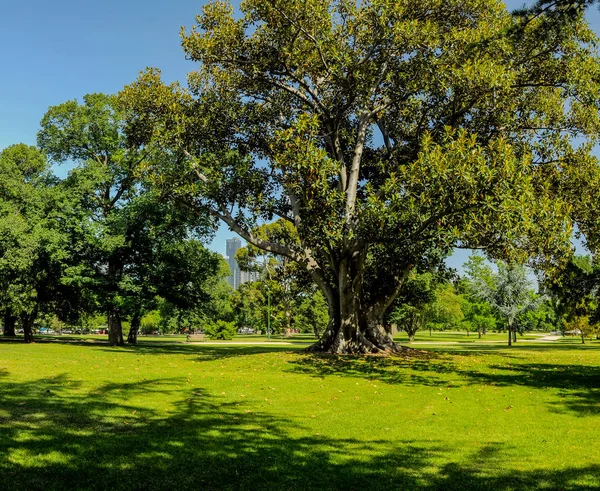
{"points": [[381, 131]]}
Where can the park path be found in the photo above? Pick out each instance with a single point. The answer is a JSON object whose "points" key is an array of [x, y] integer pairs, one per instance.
{"points": [[548, 339], [543, 339], [237, 343]]}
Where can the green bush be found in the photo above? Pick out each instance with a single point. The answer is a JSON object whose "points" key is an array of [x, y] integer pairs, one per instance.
{"points": [[220, 330]]}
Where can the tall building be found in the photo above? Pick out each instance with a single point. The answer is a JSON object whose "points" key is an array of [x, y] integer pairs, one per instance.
{"points": [[235, 280], [237, 277], [249, 276]]}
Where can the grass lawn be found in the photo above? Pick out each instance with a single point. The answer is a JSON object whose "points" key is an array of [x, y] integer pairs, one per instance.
{"points": [[176, 416]]}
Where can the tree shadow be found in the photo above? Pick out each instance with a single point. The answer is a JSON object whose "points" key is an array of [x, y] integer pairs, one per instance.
{"points": [[577, 385], [55, 437]]}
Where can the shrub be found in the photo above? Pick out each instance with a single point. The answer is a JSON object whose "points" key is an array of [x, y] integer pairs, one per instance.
{"points": [[220, 330]]}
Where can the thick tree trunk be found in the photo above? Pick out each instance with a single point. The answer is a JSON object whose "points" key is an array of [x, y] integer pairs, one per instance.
{"points": [[115, 328], [134, 328], [9, 323], [356, 321]]}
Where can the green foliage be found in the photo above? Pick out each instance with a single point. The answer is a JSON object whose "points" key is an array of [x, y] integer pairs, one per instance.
{"points": [[220, 329], [510, 294], [249, 303], [414, 303], [138, 246], [311, 315], [581, 325], [380, 132], [445, 311]]}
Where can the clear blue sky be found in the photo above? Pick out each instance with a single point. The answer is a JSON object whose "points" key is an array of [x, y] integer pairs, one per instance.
{"points": [[53, 51]]}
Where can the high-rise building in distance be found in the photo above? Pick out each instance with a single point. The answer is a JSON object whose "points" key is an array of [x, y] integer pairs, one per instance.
{"points": [[237, 277], [232, 247]]}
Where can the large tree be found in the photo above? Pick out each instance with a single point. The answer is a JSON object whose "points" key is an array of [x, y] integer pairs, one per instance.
{"points": [[380, 131], [38, 240], [130, 227]]}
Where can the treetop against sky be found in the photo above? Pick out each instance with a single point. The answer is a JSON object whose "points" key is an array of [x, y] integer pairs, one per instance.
{"points": [[62, 50]]}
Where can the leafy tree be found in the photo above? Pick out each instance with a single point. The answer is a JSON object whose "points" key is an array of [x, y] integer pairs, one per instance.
{"points": [[542, 318], [510, 295], [38, 238], [446, 310], [311, 314], [581, 324], [380, 131], [478, 315], [412, 309], [133, 231]]}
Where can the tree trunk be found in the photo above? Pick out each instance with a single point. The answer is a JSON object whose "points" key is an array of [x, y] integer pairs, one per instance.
{"points": [[509, 335], [479, 333], [9, 323], [115, 328], [514, 335], [27, 320], [136, 320], [356, 321]]}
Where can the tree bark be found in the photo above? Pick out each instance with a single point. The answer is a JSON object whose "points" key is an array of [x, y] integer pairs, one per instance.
{"points": [[136, 321], [9, 323], [27, 320], [115, 328], [509, 335], [356, 321], [514, 335]]}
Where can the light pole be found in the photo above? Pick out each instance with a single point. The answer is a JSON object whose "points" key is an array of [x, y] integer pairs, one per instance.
{"points": [[268, 312], [268, 278]]}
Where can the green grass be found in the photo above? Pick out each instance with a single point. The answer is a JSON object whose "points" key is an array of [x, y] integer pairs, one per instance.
{"points": [[176, 416]]}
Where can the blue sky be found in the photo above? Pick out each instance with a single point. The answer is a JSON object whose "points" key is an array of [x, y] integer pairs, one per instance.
{"points": [[53, 51]]}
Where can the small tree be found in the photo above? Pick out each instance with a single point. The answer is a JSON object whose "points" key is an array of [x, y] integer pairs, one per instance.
{"points": [[581, 324], [509, 294]]}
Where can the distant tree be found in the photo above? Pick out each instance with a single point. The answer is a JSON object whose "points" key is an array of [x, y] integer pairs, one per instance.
{"points": [[220, 329], [411, 312], [478, 315], [249, 303], [581, 325], [445, 311], [510, 294], [311, 314]]}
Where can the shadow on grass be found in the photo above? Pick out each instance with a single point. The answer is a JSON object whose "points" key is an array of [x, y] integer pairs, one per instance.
{"points": [[578, 385], [54, 437]]}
